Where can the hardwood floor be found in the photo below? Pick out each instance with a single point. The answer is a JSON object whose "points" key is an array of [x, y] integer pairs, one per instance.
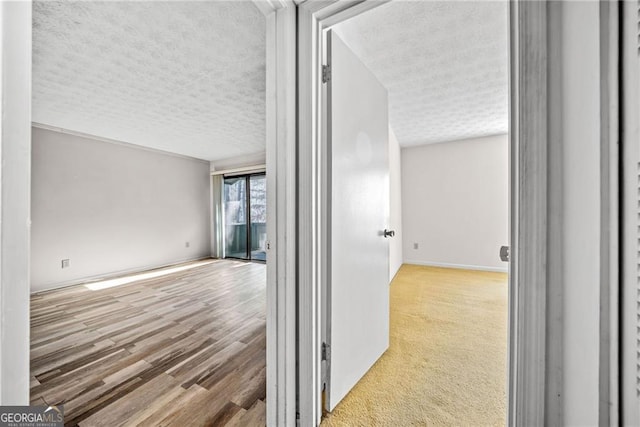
{"points": [[185, 349]]}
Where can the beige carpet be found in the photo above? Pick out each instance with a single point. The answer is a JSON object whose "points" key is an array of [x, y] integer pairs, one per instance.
{"points": [[447, 359]]}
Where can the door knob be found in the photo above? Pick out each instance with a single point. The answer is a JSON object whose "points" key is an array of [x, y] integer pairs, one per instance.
{"points": [[389, 233], [504, 253]]}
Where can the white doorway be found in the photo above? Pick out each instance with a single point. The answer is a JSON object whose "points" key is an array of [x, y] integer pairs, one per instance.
{"points": [[315, 20], [448, 108], [16, 128]]}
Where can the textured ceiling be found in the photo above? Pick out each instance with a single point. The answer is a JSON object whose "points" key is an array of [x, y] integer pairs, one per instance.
{"points": [[189, 77], [185, 77], [445, 65]]}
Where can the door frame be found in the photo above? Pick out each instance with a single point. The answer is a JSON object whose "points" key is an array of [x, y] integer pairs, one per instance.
{"points": [[528, 199], [281, 163], [15, 201], [612, 209]]}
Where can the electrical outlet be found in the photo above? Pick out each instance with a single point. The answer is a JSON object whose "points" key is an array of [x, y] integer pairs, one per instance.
{"points": [[186, 244], [65, 263], [415, 246]]}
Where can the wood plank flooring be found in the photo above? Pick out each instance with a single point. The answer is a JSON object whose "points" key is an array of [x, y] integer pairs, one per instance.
{"points": [[185, 349]]}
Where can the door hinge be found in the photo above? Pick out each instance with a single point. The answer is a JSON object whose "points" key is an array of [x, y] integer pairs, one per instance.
{"points": [[297, 419], [326, 351], [326, 73]]}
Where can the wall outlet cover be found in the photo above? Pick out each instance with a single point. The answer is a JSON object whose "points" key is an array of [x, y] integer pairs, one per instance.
{"points": [[415, 246]]}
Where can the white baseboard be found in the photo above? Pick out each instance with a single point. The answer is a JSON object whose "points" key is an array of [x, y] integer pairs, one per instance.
{"points": [[115, 274], [459, 266]]}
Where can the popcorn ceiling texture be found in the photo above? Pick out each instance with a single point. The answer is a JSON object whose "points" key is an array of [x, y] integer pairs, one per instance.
{"points": [[189, 77], [445, 65], [184, 77]]}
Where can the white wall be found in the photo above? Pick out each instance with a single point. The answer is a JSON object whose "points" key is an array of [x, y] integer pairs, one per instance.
{"points": [[395, 209], [112, 208], [455, 203]]}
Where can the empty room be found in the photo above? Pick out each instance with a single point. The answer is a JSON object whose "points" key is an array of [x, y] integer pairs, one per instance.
{"points": [[417, 107], [148, 206]]}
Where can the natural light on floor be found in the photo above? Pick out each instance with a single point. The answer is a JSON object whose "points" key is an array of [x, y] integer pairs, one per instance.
{"points": [[104, 284]]}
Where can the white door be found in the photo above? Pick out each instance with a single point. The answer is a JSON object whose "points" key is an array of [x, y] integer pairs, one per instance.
{"points": [[358, 332]]}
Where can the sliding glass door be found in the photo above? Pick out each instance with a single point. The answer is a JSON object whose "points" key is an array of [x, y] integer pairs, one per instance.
{"points": [[245, 217], [235, 217]]}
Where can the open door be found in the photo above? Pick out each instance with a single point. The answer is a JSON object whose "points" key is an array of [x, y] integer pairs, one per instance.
{"points": [[358, 288]]}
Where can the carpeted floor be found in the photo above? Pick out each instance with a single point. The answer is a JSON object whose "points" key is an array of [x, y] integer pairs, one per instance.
{"points": [[447, 359]]}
